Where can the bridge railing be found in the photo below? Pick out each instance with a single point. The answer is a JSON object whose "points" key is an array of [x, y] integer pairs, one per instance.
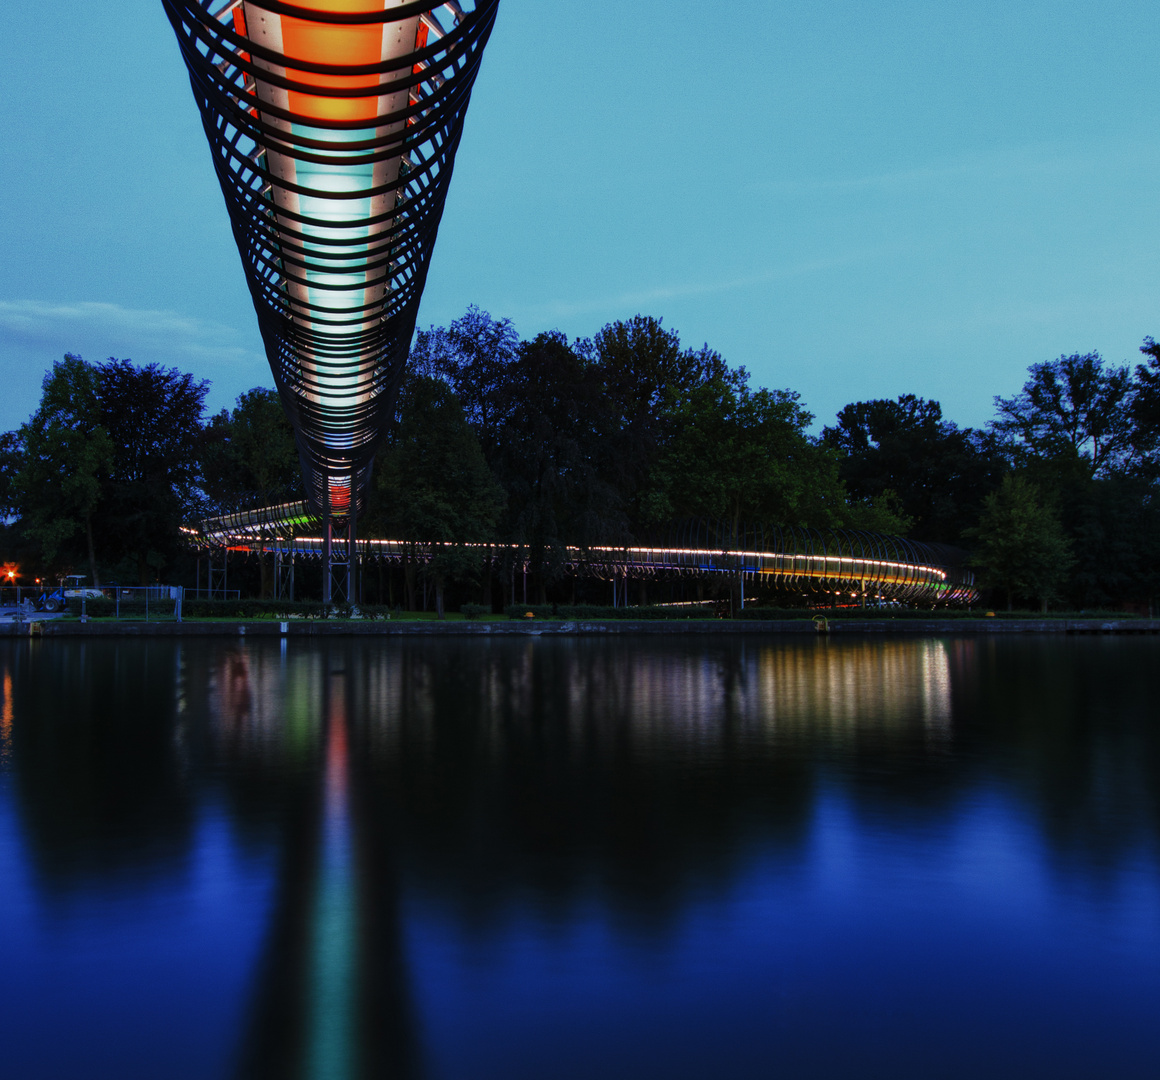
{"points": [[863, 565]]}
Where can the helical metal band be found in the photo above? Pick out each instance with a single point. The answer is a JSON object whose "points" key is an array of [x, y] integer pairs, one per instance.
{"points": [[333, 126]]}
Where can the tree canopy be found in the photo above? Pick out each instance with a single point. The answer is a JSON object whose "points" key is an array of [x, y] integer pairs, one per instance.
{"points": [[549, 444], [1146, 409], [250, 454], [67, 454], [904, 454], [434, 484], [1021, 546], [153, 416], [1074, 412]]}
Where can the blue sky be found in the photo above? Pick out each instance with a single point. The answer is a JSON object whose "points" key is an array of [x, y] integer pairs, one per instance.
{"points": [[853, 200]]}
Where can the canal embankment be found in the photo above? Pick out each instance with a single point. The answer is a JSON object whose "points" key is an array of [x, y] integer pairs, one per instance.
{"points": [[69, 628]]}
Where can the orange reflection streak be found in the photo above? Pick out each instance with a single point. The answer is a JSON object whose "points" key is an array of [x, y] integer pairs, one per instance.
{"points": [[6, 718], [336, 762]]}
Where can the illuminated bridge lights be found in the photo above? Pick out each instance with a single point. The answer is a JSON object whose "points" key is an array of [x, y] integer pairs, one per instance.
{"points": [[876, 566], [333, 126], [915, 573]]}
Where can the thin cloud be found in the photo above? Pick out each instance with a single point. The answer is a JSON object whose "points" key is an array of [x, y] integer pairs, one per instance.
{"points": [[563, 309], [1113, 308], [89, 323], [1008, 163], [35, 333]]}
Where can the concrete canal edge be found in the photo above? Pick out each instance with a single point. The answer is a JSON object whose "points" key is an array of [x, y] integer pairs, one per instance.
{"points": [[561, 628]]}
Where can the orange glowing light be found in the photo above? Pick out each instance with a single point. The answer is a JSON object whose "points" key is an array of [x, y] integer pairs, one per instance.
{"points": [[339, 45]]}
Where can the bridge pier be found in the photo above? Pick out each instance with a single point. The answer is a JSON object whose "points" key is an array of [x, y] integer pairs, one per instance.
{"points": [[351, 549], [284, 573], [327, 552]]}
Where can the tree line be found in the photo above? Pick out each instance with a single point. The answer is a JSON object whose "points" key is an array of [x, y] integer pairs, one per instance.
{"points": [[547, 443]]}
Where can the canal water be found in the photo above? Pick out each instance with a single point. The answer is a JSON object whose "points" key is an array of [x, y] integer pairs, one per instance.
{"points": [[559, 858]]}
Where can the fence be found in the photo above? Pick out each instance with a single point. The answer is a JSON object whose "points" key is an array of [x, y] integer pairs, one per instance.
{"points": [[156, 603], [15, 595], [153, 603]]}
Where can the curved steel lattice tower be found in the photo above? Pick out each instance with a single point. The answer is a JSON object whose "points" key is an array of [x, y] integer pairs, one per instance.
{"points": [[333, 126]]}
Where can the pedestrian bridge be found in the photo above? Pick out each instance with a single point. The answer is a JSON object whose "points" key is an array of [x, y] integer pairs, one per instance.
{"points": [[855, 563]]}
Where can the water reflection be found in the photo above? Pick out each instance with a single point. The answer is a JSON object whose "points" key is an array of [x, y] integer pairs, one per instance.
{"points": [[6, 719], [474, 780], [331, 1000]]}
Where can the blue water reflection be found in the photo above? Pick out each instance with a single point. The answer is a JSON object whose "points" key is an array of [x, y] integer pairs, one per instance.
{"points": [[578, 858]]}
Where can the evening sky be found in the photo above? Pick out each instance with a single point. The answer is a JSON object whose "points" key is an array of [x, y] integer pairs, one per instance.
{"points": [[851, 199]]}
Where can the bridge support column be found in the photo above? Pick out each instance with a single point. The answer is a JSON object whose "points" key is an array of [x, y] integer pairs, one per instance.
{"points": [[284, 572], [219, 579], [352, 549], [327, 528]]}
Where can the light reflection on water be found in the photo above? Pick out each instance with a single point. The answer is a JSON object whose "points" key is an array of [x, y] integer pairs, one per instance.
{"points": [[580, 857], [6, 719]]}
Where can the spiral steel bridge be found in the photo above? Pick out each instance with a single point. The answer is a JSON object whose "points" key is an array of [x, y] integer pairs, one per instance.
{"points": [[853, 563], [333, 126]]}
